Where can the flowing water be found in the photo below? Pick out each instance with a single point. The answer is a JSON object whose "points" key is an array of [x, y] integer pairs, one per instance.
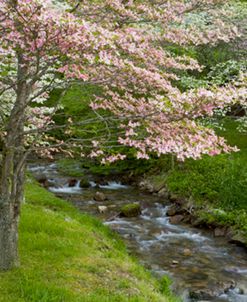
{"points": [[209, 267]]}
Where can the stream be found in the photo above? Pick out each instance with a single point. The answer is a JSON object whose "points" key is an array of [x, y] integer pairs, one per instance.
{"points": [[203, 268]]}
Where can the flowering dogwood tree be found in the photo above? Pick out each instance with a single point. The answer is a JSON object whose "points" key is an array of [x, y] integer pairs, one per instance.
{"points": [[119, 45]]}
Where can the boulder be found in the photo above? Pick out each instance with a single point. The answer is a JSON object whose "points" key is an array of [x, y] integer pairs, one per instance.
{"points": [[219, 232], [46, 183], [42, 179], [200, 295], [229, 233], [146, 185], [195, 269], [130, 210], [238, 238], [187, 252], [186, 219], [227, 285], [159, 185], [100, 196], [163, 193], [72, 182], [181, 202], [211, 293], [176, 219], [174, 197], [172, 210], [197, 221], [84, 183], [102, 209], [112, 206]]}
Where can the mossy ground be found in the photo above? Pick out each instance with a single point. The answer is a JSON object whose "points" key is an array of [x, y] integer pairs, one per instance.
{"points": [[70, 257], [131, 210]]}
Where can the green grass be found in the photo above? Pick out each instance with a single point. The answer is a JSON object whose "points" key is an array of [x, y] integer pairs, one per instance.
{"points": [[67, 256], [218, 182]]}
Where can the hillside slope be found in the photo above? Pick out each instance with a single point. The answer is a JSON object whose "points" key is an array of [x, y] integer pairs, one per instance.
{"points": [[71, 257]]}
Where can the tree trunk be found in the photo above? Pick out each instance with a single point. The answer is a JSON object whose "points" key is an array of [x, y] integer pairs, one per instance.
{"points": [[11, 196], [8, 237], [12, 175]]}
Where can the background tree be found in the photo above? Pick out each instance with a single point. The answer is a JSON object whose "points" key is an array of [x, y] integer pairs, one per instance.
{"points": [[118, 45]]}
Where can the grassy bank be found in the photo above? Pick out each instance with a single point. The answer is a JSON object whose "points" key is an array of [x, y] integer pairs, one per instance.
{"points": [[67, 256], [217, 185]]}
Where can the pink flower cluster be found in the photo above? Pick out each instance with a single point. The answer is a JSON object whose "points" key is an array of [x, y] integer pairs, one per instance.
{"points": [[118, 45]]}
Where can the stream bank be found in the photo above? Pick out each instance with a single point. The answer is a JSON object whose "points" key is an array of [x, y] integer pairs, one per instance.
{"points": [[201, 216], [202, 267]]}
